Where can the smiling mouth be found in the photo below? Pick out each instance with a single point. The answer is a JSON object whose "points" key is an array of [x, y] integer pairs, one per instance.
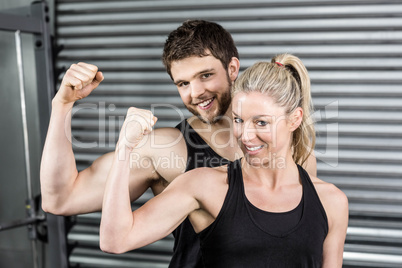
{"points": [[251, 149], [205, 104]]}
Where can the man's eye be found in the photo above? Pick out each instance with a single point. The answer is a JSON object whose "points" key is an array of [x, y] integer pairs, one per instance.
{"points": [[206, 75], [182, 84]]}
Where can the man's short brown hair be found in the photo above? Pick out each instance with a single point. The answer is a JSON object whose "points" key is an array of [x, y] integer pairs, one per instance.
{"points": [[199, 38]]}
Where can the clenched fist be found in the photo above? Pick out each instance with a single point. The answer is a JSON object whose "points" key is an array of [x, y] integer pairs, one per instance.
{"points": [[78, 82], [137, 124]]}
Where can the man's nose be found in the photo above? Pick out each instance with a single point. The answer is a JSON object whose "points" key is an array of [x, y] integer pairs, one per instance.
{"points": [[197, 90]]}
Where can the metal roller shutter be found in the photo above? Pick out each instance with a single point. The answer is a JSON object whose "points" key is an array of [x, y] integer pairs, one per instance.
{"points": [[352, 50]]}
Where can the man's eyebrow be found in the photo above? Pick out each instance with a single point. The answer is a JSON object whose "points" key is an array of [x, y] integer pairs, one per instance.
{"points": [[205, 71], [195, 75]]}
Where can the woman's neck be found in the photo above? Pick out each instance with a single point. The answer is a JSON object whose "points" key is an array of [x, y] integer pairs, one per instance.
{"points": [[271, 174]]}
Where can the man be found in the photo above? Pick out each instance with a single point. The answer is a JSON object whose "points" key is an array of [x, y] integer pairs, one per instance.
{"points": [[202, 60]]}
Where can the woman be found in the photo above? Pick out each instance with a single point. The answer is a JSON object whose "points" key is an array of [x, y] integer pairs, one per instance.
{"points": [[263, 210]]}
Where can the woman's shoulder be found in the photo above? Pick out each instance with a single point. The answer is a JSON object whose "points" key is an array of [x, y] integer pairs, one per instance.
{"points": [[202, 171], [328, 192], [335, 201], [207, 185], [204, 176]]}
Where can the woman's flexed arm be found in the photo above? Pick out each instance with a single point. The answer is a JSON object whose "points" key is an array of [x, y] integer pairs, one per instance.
{"points": [[121, 229]]}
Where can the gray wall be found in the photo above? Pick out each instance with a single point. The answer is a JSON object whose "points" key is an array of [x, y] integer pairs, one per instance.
{"points": [[351, 48], [15, 246]]}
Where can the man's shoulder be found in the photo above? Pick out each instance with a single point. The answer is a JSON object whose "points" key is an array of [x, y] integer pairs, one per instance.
{"points": [[165, 150], [161, 138], [167, 132]]}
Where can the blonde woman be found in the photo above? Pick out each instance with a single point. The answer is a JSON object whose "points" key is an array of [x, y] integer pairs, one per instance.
{"points": [[263, 210]]}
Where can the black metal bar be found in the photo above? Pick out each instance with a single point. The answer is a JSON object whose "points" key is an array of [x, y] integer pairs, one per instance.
{"points": [[56, 225], [57, 236], [33, 218], [44, 67], [10, 22], [19, 223]]}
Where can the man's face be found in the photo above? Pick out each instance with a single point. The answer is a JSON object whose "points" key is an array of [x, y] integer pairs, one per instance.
{"points": [[204, 86]]}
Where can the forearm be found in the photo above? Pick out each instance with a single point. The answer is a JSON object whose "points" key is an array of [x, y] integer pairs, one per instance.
{"points": [[117, 218], [121, 229], [58, 168]]}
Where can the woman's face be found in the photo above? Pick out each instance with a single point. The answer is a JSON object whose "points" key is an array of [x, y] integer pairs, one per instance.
{"points": [[262, 129]]}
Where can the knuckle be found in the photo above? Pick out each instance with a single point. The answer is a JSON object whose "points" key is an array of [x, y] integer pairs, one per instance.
{"points": [[86, 78], [94, 68], [68, 75], [76, 82], [131, 110], [91, 67]]}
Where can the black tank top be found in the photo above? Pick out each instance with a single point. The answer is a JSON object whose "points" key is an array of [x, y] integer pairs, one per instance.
{"points": [[186, 250], [238, 239]]}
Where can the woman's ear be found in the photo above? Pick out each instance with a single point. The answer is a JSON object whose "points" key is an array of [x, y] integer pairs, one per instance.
{"points": [[233, 68], [295, 119]]}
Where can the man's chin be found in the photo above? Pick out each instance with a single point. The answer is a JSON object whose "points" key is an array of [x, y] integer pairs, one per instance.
{"points": [[211, 120], [207, 118]]}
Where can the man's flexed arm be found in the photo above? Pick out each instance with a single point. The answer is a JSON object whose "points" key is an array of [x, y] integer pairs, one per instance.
{"points": [[58, 168], [67, 192]]}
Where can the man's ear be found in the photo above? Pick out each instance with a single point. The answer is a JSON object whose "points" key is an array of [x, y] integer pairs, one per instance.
{"points": [[295, 119], [233, 68]]}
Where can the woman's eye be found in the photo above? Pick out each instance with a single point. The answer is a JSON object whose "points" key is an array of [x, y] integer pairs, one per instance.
{"points": [[262, 123], [237, 120]]}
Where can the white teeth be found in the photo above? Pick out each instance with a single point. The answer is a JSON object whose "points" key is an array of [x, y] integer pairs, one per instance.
{"points": [[254, 148], [205, 103]]}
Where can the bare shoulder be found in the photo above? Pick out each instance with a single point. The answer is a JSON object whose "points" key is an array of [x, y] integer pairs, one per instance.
{"points": [[202, 181], [167, 137], [168, 134], [100, 165], [328, 192], [335, 201], [165, 150], [205, 175]]}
